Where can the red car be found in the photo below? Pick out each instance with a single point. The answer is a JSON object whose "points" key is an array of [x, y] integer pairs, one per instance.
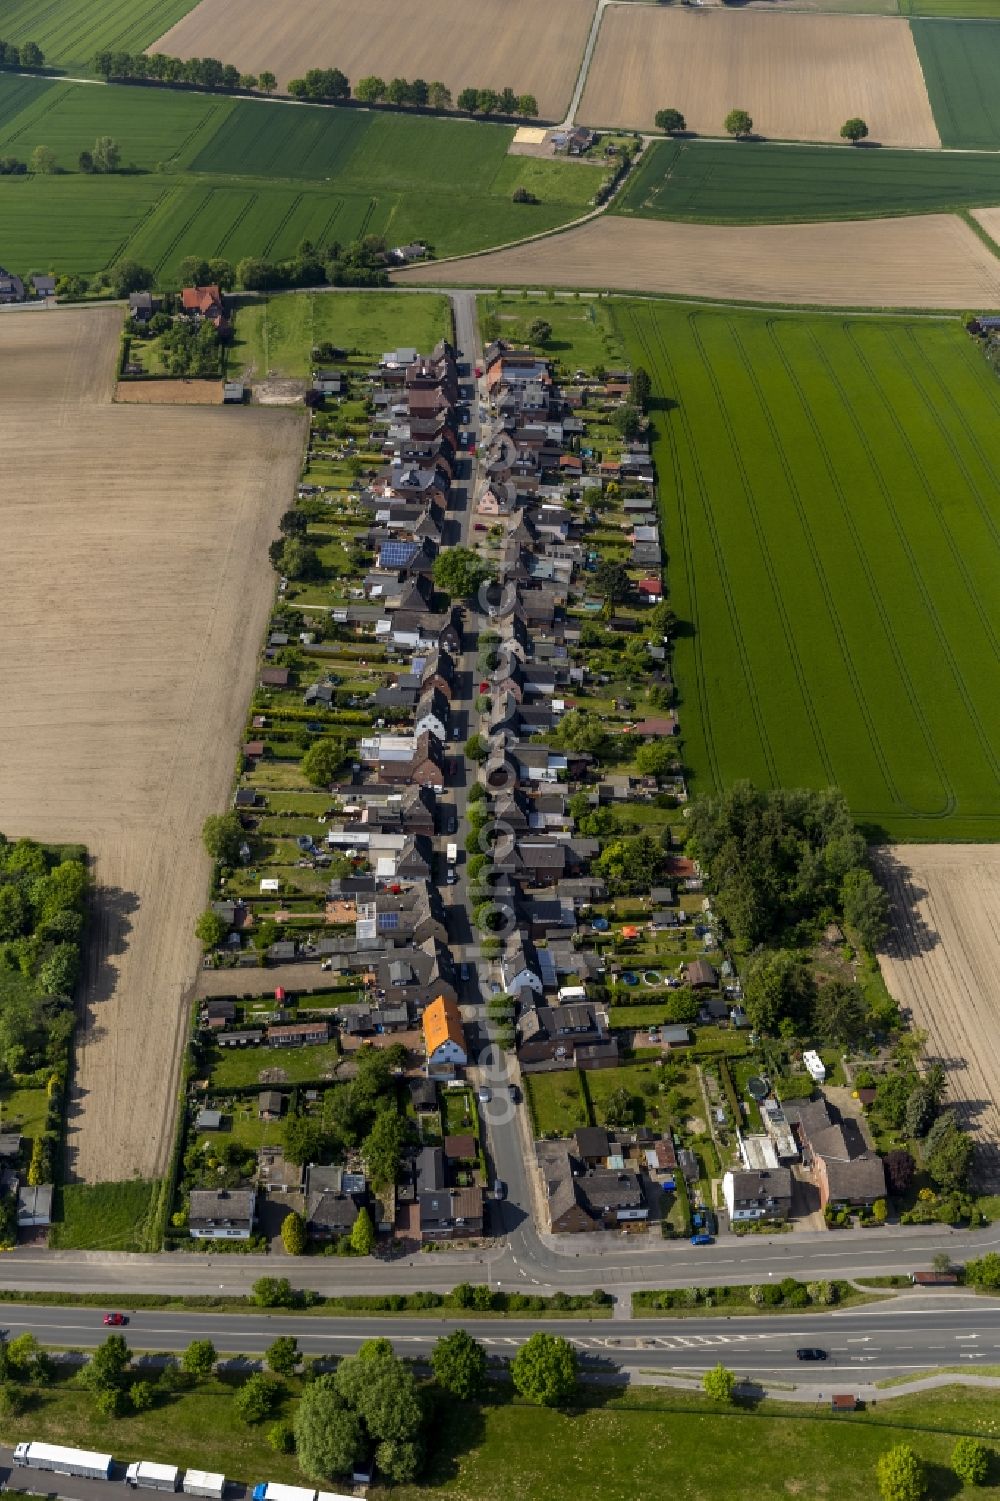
{"points": [[116, 1319]]}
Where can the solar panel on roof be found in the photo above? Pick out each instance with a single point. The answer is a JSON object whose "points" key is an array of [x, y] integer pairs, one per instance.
{"points": [[388, 920], [396, 554]]}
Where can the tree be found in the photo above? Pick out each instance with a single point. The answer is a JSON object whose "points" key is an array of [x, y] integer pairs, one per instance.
{"points": [[738, 123], [880, 1210], [900, 1475], [383, 1146], [670, 120], [719, 1383], [107, 1366], [199, 1359], [210, 929], [527, 106], [282, 1355], [866, 907], [899, 1170], [299, 560], [43, 160], [382, 1390], [467, 100], [273, 1292], [487, 101], [854, 130], [941, 1262], [984, 1272], [32, 55], [545, 1370], [128, 276], [840, 1012], [303, 1138], [539, 331], [369, 90], [778, 986], [257, 1398], [458, 572], [459, 1365], [322, 761], [971, 1461], [222, 836], [947, 1154], [438, 96], [654, 758], [293, 1234], [612, 581], [107, 154], [142, 1395], [921, 1108], [628, 420], [640, 392], [363, 1234], [268, 82], [281, 1437], [329, 1437], [476, 748], [85, 162], [620, 1108]]}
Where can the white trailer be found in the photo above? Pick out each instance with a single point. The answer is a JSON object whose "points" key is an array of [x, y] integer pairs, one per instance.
{"points": [[204, 1483], [451, 854], [268, 1491], [815, 1067], [63, 1461], [142, 1474]]}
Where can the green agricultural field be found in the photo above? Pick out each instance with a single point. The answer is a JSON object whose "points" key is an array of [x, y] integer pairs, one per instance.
{"points": [[762, 182], [971, 9], [70, 32], [214, 176], [276, 334], [961, 63], [831, 492]]}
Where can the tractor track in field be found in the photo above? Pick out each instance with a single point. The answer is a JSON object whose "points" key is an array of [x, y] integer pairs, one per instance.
{"points": [[922, 587], [765, 551], [795, 494], [891, 638], [723, 573]]}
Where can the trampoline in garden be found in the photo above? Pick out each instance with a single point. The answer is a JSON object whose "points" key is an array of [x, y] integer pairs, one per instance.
{"points": [[600, 924], [651, 977], [757, 1089], [629, 979]]}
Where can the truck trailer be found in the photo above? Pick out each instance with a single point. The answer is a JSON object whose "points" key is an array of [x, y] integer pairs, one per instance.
{"points": [[268, 1491], [204, 1483], [63, 1461], [142, 1474]]}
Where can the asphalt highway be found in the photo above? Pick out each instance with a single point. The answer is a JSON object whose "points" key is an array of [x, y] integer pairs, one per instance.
{"points": [[919, 1332]]}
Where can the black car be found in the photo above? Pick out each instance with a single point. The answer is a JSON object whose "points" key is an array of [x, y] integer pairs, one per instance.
{"points": [[808, 1352]]}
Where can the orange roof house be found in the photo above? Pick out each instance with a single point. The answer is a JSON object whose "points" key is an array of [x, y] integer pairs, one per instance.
{"points": [[444, 1037], [206, 302]]}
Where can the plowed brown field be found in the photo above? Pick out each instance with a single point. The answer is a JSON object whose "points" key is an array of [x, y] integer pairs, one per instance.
{"points": [[942, 961], [799, 76], [535, 48], [932, 261], [136, 591]]}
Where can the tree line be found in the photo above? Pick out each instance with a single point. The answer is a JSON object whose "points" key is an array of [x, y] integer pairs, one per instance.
{"points": [[739, 123], [27, 55], [320, 85]]}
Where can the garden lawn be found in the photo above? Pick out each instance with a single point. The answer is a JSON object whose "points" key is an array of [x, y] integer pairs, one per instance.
{"points": [[766, 182], [276, 334], [655, 1443], [235, 1068], [196, 1429], [218, 176], [833, 492], [557, 1103], [105, 1216], [961, 61], [583, 333], [640, 1081]]}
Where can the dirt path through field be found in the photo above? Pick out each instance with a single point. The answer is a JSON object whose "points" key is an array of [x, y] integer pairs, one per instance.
{"points": [[930, 261], [943, 963], [136, 592]]}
